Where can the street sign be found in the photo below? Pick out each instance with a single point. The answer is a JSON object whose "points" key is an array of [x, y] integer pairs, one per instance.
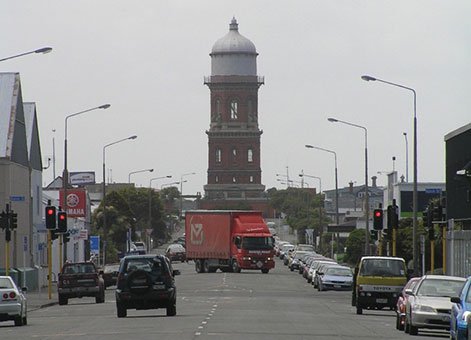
{"points": [[433, 191], [16, 198], [95, 245]]}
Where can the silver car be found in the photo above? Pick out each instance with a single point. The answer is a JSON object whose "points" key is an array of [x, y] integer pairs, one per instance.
{"points": [[428, 304], [12, 302]]}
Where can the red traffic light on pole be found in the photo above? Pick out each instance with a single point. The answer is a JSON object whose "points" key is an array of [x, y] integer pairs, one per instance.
{"points": [[378, 219], [51, 217], [62, 221]]}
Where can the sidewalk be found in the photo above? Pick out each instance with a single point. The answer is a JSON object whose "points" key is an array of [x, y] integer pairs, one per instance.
{"points": [[40, 298]]}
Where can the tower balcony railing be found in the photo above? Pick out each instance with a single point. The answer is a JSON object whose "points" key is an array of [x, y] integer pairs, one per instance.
{"points": [[208, 80]]}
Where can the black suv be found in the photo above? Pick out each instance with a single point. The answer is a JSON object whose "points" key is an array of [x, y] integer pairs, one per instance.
{"points": [[146, 282]]}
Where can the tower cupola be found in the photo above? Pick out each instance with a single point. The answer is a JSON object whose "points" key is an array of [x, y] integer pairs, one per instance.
{"points": [[233, 54]]}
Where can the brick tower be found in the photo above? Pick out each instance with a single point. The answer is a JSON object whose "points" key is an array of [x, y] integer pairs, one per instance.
{"points": [[234, 172]]}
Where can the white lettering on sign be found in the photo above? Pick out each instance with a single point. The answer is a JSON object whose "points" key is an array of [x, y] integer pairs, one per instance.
{"points": [[196, 234], [72, 211]]}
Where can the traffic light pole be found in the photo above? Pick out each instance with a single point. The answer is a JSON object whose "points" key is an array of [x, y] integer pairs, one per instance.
{"points": [[49, 264]]}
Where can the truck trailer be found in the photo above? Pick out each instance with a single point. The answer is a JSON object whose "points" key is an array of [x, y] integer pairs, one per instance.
{"points": [[229, 240]]}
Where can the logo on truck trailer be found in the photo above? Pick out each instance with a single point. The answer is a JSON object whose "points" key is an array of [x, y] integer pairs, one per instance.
{"points": [[196, 233]]}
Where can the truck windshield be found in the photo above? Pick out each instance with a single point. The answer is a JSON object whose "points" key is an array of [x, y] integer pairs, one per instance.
{"points": [[257, 243], [382, 267]]}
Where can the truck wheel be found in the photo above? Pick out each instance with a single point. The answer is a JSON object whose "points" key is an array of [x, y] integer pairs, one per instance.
{"points": [[198, 266], [206, 268], [63, 300], [235, 267], [359, 310], [265, 270]]}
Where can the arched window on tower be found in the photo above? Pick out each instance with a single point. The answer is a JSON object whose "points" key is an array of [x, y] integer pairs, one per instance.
{"points": [[234, 154], [234, 107], [251, 179], [250, 155], [218, 155], [234, 180], [216, 117]]}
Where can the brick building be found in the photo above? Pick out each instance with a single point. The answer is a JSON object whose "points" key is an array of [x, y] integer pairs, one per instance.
{"points": [[234, 172]]}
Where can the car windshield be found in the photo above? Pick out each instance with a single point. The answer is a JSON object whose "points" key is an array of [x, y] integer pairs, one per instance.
{"points": [[440, 287], [305, 247], [79, 268], [338, 271], [257, 243], [145, 264], [5, 283], [382, 267]]}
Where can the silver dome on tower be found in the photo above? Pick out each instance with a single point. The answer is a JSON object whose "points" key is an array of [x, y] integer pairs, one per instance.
{"points": [[233, 54]]}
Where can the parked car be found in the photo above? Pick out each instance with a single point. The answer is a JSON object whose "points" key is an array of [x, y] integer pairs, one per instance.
{"points": [[139, 247], [429, 305], [294, 261], [12, 302], [284, 250], [146, 282], [176, 252], [321, 269], [110, 274], [461, 313], [79, 279], [335, 278], [402, 301], [314, 265]]}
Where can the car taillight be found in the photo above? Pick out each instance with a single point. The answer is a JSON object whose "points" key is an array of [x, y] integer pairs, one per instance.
{"points": [[5, 296], [12, 295]]}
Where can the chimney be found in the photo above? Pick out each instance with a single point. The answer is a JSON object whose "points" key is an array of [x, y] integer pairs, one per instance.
{"points": [[373, 181], [350, 187]]}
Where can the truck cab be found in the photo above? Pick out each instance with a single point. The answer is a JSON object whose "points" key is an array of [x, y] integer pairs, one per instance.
{"points": [[378, 281]]}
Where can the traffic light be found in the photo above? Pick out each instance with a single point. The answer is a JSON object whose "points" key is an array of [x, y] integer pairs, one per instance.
{"points": [[8, 235], [428, 222], [50, 217], [374, 235], [66, 237], [378, 219], [437, 212], [62, 221], [13, 220], [4, 220]]}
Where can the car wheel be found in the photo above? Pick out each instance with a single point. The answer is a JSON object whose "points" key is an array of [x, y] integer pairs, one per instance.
{"points": [[25, 320], [413, 330], [359, 310], [172, 309], [121, 310], [63, 300], [18, 320]]}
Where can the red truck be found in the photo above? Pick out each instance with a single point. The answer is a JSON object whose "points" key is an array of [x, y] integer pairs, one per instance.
{"points": [[229, 240]]}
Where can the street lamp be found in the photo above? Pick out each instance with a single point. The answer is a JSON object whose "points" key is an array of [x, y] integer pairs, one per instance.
{"points": [[320, 204], [136, 172], [150, 196], [336, 179], [367, 201], [43, 50], [170, 184], [414, 194], [407, 156], [65, 173], [104, 187], [181, 190]]}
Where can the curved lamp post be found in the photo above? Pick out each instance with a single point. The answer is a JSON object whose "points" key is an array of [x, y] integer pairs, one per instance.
{"points": [[136, 172], [414, 194], [65, 172], [42, 50], [181, 190], [104, 188], [367, 201]]}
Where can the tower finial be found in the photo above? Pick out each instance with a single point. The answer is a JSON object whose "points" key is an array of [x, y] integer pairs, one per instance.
{"points": [[234, 26]]}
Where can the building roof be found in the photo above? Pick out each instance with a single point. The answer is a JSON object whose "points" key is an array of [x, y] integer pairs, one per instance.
{"points": [[457, 132], [32, 136], [233, 42], [13, 143]]}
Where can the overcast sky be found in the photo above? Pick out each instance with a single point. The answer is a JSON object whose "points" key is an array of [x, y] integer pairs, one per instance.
{"points": [[147, 58]]}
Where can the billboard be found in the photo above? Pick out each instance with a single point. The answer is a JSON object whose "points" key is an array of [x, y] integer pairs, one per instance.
{"points": [[82, 178], [76, 202]]}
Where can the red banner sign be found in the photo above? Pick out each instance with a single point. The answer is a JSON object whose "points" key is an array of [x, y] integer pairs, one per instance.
{"points": [[76, 202]]}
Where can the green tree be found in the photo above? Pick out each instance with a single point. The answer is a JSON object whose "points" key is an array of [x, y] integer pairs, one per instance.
{"points": [[355, 246]]}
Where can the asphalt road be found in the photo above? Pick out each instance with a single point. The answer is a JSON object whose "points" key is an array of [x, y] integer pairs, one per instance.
{"points": [[250, 305]]}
